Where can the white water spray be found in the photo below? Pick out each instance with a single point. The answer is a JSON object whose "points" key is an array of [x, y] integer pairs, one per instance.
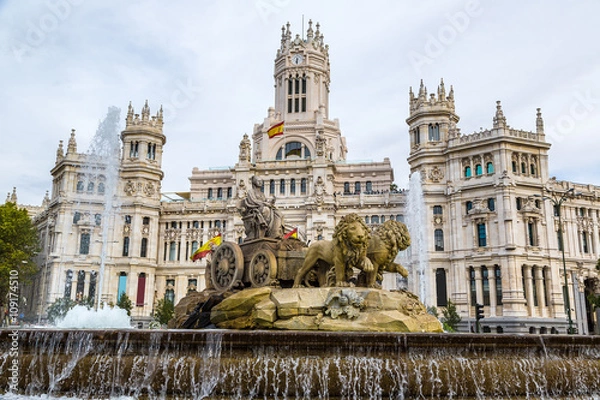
{"points": [[416, 222], [104, 155]]}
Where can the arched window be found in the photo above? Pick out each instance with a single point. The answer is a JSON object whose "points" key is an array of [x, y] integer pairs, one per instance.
{"points": [[438, 236], [219, 193], [489, 168], [76, 217], [356, 187], [416, 136], [467, 172], [101, 188], [279, 155], [437, 210], [369, 187], [293, 149], [80, 186], [303, 186], [346, 187], [532, 169], [514, 167], [144, 247], [272, 186], [282, 186], [375, 219], [210, 193], [292, 186], [296, 94], [478, 170], [523, 168], [367, 220]]}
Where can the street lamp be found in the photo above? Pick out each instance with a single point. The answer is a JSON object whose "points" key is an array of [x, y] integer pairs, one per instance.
{"points": [[557, 199]]}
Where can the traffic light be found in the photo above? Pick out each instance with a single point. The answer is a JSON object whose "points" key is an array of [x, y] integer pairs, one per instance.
{"points": [[479, 312]]}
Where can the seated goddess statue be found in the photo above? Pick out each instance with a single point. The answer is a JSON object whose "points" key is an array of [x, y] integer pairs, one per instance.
{"points": [[261, 217]]}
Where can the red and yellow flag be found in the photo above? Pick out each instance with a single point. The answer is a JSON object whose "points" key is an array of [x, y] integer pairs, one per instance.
{"points": [[206, 248], [291, 234], [275, 130]]}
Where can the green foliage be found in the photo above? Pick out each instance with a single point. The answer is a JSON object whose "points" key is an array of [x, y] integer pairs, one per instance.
{"points": [[59, 309], [594, 301], [393, 187], [433, 311], [18, 247], [451, 318], [125, 303], [164, 311]]}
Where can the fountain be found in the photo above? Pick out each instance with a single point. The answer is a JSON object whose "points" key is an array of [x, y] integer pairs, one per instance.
{"points": [[353, 344], [416, 218]]}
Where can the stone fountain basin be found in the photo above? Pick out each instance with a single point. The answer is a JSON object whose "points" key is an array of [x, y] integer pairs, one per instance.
{"points": [[301, 364]]}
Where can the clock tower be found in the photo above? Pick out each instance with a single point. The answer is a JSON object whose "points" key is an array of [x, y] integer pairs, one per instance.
{"points": [[302, 76]]}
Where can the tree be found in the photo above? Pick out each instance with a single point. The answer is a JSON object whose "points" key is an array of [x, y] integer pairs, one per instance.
{"points": [[59, 309], [19, 245], [451, 318], [164, 311], [125, 303]]}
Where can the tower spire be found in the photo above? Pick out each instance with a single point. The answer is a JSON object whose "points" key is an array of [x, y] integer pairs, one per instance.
{"points": [[60, 151]]}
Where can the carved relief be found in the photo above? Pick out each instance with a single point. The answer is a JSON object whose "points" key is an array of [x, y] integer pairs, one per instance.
{"points": [[436, 174]]}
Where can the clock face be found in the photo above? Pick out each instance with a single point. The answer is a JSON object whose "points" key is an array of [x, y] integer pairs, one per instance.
{"points": [[297, 59]]}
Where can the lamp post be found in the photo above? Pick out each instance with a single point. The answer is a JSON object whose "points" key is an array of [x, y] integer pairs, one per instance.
{"points": [[557, 201]]}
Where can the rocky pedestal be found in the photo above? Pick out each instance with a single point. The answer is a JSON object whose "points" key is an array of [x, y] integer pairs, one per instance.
{"points": [[325, 309]]}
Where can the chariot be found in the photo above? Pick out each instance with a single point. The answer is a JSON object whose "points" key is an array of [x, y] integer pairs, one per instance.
{"points": [[256, 263]]}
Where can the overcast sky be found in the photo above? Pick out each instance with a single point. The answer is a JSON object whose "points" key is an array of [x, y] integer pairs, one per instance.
{"points": [[210, 64]]}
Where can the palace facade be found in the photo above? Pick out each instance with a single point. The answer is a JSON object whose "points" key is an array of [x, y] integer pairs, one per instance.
{"points": [[491, 232]]}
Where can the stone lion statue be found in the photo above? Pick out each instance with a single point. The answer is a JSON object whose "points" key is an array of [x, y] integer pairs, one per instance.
{"points": [[346, 251], [385, 243]]}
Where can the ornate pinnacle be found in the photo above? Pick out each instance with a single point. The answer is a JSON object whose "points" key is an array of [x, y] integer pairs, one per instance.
{"points": [[59, 152], [441, 91], [145, 112], [499, 118], [309, 31], [539, 122], [72, 146], [13, 196]]}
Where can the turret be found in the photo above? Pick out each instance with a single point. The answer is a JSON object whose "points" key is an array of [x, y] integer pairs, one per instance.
{"points": [[431, 119], [499, 118], [143, 142]]}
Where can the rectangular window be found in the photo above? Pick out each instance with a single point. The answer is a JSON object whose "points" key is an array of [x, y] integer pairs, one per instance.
{"points": [[498, 285], [144, 247], [584, 242], [439, 240], [84, 245], [481, 235], [303, 104], [531, 234], [296, 105], [122, 285], [473, 286], [486, 286], [172, 251], [141, 289], [441, 290], [125, 246], [289, 106]]}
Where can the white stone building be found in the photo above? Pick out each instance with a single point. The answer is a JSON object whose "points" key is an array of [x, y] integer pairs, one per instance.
{"points": [[490, 233]]}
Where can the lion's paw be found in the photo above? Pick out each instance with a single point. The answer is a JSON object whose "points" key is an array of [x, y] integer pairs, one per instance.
{"points": [[368, 266]]}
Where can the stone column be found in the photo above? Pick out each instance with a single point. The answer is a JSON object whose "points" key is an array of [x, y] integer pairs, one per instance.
{"points": [[529, 290], [492, 285], [539, 285], [478, 285]]}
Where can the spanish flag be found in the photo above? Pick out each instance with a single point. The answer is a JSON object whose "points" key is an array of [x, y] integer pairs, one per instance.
{"points": [[206, 248], [275, 130], [292, 234]]}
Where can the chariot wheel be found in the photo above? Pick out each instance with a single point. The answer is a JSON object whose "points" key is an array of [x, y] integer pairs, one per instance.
{"points": [[263, 268], [227, 266]]}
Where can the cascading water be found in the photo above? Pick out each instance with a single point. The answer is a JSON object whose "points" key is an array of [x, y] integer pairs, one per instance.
{"points": [[229, 364], [416, 222]]}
